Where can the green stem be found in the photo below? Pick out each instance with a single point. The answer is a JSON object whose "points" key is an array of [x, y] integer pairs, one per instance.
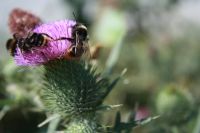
{"points": [[197, 127]]}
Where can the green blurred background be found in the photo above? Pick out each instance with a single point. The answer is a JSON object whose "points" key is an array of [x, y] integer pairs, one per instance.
{"points": [[158, 42]]}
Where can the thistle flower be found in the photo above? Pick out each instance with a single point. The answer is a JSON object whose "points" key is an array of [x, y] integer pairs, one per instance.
{"points": [[72, 90], [21, 21], [53, 50]]}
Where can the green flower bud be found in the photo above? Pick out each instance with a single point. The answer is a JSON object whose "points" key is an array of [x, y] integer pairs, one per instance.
{"points": [[174, 104]]}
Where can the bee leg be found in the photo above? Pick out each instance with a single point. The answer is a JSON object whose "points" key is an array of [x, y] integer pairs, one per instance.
{"points": [[77, 42], [70, 51], [16, 36], [22, 51], [48, 36], [64, 38], [31, 51], [44, 56]]}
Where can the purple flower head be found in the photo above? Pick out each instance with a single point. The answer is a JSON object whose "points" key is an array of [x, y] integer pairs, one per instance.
{"points": [[21, 21], [53, 50]]}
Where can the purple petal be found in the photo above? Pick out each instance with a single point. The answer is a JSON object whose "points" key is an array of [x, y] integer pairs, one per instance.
{"points": [[53, 50]]}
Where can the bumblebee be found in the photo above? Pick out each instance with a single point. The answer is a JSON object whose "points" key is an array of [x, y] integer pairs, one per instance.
{"points": [[79, 42], [27, 43]]}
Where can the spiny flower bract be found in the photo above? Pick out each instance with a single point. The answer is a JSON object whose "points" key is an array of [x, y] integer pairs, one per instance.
{"points": [[73, 88]]}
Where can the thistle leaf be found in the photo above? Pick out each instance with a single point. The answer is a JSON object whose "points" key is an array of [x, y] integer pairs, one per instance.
{"points": [[120, 126]]}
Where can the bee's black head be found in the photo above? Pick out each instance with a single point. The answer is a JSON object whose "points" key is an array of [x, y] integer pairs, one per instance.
{"points": [[80, 31]]}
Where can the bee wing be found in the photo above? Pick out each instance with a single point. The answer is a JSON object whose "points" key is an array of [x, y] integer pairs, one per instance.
{"points": [[87, 54], [95, 51], [92, 53]]}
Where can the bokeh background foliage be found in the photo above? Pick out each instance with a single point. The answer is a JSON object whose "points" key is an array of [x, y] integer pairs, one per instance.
{"points": [[156, 41]]}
